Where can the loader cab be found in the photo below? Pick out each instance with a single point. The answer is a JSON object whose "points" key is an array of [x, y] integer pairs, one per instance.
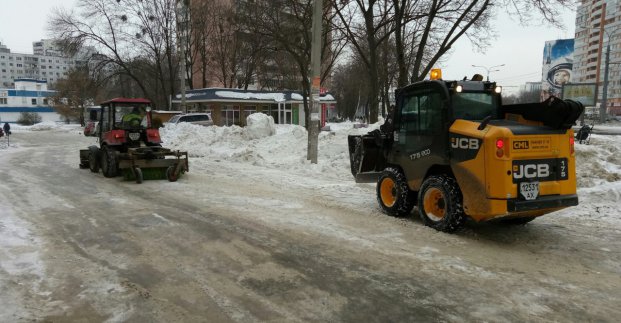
{"points": [[127, 122], [425, 112], [125, 114], [420, 133]]}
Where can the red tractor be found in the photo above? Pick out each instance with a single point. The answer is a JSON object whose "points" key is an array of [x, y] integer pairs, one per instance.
{"points": [[130, 145]]}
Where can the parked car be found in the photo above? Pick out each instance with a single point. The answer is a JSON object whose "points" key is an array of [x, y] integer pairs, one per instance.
{"points": [[203, 119]]}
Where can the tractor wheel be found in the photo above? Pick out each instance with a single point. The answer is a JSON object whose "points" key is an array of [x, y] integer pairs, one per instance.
{"points": [[170, 174], [108, 162], [138, 173], [440, 203], [93, 163], [518, 221], [393, 193]]}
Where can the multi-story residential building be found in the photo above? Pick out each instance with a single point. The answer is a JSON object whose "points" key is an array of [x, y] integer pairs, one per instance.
{"points": [[46, 64], [28, 95], [598, 25]]}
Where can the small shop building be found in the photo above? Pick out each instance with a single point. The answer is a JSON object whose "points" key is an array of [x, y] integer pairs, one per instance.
{"points": [[232, 106]]}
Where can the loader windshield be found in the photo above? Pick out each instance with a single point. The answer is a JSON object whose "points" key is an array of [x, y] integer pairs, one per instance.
{"points": [[474, 105]]}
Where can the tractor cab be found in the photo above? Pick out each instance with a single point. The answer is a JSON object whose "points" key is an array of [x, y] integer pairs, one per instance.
{"points": [[126, 123]]}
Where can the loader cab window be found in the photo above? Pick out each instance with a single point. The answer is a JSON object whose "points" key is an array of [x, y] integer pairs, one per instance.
{"points": [[421, 113], [474, 105]]}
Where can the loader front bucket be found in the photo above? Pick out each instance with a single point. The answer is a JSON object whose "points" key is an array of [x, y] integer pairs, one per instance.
{"points": [[367, 159]]}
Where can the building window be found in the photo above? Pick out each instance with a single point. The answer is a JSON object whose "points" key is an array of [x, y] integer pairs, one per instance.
{"points": [[230, 115], [34, 101], [3, 101]]}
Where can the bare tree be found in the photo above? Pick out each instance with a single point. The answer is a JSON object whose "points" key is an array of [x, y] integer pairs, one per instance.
{"points": [[73, 93], [351, 87], [127, 34], [286, 27], [364, 22], [198, 42]]}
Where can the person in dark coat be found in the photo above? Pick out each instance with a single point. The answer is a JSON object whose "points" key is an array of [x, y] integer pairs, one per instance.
{"points": [[7, 128]]}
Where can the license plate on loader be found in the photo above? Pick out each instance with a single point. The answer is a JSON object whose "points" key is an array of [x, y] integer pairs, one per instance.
{"points": [[529, 190]]}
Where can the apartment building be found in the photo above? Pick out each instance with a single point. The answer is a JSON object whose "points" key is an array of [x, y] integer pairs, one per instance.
{"points": [[598, 27], [45, 64]]}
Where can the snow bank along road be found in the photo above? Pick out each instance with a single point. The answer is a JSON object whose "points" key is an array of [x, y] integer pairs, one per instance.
{"points": [[236, 241]]}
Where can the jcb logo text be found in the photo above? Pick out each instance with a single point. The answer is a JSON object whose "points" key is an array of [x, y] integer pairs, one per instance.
{"points": [[465, 143], [531, 171]]}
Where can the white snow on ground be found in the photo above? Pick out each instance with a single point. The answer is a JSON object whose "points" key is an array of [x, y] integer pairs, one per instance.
{"points": [[276, 154], [598, 171], [263, 148], [598, 164]]}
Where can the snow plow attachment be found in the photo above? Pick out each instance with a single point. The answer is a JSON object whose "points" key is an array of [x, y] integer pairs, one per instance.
{"points": [[366, 155], [148, 163], [143, 163]]}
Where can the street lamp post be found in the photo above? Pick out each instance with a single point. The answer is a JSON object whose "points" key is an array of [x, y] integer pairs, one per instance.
{"points": [[489, 69]]}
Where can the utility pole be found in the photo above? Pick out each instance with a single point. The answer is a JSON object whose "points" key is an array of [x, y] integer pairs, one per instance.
{"points": [[313, 133], [181, 38]]}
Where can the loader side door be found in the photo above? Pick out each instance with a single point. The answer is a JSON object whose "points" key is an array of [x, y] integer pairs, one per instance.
{"points": [[421, 137]]}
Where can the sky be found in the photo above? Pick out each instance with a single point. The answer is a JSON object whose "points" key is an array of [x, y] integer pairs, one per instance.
{"points": [[519, 48]]}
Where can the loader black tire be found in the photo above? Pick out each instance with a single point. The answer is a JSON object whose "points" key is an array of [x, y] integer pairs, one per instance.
{"points": [[109, 164], [393, 194], [93, 161], [440, 203]]}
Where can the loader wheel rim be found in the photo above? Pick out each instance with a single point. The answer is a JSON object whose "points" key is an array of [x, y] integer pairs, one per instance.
{"points": [[434, 204], [388, 192]]}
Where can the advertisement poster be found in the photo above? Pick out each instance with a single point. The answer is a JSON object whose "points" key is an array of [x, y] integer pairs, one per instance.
{"points": [[557, 63]]}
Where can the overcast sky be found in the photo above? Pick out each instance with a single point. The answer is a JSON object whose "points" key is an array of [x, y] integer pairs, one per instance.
{"points": [[519, 48]]}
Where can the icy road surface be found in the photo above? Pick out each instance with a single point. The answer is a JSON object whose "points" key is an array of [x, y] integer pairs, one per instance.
{"points": [[253, 233]]}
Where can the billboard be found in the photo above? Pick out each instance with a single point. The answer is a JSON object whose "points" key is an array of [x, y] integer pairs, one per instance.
{"points": [[585, 93], [558, 58]]}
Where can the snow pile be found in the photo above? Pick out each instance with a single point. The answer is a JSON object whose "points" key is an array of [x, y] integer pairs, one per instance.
{"points": [[284, 150], [259, 125], [42, 126], [47, 126], [278, 97], [598, 163]]}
